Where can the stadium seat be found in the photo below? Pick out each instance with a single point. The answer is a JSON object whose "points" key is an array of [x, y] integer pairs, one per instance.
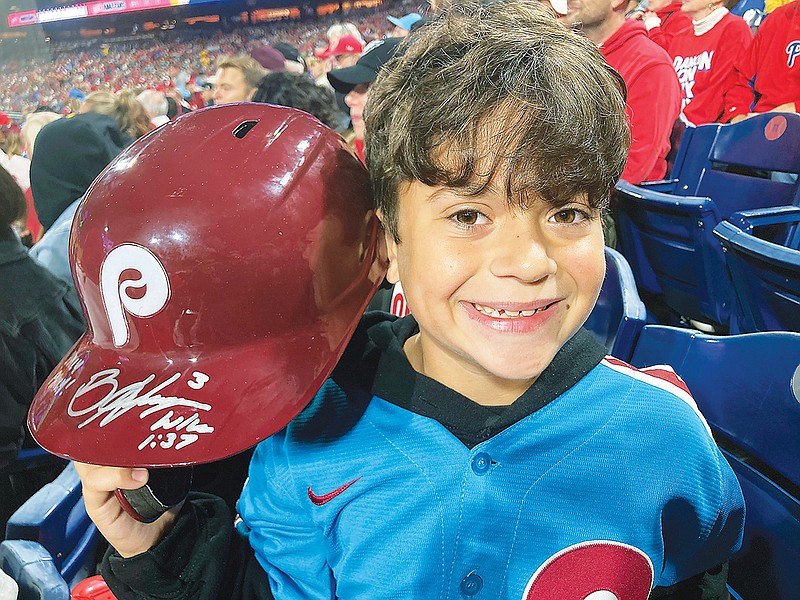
{"points": [[55, 518], [619, 315], [29, 471], [744, 5], [748, 388], [665, 228], [765, 272], [34, 570]]}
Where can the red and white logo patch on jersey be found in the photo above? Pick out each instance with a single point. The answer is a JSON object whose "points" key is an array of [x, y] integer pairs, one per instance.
{"points": [[596, 570], [661, 376]]}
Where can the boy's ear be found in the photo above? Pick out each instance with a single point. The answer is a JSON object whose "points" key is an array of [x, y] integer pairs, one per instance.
{"points": [[390, 248], [375, 233]]}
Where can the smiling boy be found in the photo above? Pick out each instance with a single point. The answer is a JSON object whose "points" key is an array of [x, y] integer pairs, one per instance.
{"points": [[485, 446]]}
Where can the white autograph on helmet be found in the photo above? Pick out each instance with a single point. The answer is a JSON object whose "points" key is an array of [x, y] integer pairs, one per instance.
{"points": [[116, 299]]}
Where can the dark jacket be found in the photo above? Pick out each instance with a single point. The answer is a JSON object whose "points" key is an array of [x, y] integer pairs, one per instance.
{"points": [[40, 319]]}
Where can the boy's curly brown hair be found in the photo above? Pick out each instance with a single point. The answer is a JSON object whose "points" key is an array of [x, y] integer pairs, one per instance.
{"points": [[497, 90]]}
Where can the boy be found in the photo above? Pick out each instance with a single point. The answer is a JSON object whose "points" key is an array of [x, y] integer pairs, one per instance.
{"points": [[483, 447]]}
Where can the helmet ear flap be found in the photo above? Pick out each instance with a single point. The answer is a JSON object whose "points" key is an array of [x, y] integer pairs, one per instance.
{"points": [[218, 300]]}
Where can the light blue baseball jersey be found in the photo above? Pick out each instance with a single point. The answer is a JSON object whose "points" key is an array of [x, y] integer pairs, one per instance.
{"points": [[613, 486]]}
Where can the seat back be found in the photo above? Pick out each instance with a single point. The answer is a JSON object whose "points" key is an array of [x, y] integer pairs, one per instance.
{"points": [[19, 480], [667, 237], [744, 5], [619, 313], [748, 388], [765, 276], [669, 244], [691, 160], [32, 567], [55, 517], [746, 163]]}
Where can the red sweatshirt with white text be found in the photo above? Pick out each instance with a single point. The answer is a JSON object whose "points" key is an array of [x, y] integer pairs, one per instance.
{"points": [[704, 64]]}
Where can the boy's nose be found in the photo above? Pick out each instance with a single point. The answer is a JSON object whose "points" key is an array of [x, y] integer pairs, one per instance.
{"points": [[522, 255]]}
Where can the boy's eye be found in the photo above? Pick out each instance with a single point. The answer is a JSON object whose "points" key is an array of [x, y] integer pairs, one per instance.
{"points": [[468, 218], [569, 216]]}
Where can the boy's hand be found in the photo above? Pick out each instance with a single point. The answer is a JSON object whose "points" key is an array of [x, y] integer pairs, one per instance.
{"points": [[128, 536]]}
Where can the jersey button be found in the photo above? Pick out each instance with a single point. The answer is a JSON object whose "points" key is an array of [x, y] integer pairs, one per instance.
{"points": [[471, 584], [481, 463]]}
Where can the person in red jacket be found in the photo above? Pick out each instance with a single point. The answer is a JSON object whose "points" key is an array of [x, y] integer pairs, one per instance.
{"points": [[703, 58], [663, 20], [653, 89], [767, 77]]}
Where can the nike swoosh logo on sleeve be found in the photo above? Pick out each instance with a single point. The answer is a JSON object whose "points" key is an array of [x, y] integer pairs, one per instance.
{"points": [[324, 498]]}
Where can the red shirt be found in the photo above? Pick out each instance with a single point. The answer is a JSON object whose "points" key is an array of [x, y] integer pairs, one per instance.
{"points": [[704, 64], [654, 98], [768, 74], [673, 22], [359, 146]]}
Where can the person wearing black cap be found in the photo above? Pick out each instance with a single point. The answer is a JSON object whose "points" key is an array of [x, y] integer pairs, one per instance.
{"points": [[293, 60], [354, 83]]}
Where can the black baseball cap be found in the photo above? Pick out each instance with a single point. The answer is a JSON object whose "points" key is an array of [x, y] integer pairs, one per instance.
{"points": [[375, 55]]}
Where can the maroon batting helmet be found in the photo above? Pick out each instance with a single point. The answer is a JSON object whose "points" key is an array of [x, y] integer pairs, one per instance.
{"points": [[223, 262]]}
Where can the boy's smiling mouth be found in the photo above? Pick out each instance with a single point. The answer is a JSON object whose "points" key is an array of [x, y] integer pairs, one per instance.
{"points": [[507, 313]]}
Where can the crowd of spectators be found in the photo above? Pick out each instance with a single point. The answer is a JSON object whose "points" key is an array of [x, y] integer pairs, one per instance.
{"points": [[182, 58]]}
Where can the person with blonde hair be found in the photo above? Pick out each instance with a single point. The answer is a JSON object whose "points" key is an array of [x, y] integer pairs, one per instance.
{"points": [[155, 105], [33, 125], [123, 107], [237, 79], [13, 159]]}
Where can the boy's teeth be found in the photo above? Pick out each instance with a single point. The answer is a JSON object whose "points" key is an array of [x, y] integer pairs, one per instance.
{"points": [[505, 314]]}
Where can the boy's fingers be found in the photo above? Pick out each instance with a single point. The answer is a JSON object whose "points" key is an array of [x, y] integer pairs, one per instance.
{"points": [[108, 479]]}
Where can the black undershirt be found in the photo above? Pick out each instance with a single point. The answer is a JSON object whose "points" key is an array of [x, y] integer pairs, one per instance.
{"points": [[397, 382]]}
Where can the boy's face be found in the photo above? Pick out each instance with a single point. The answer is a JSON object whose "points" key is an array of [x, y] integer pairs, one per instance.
{"points": [[496, 290]]}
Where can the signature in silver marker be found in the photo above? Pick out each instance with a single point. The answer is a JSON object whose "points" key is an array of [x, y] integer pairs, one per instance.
{"points": [[119, 401]]}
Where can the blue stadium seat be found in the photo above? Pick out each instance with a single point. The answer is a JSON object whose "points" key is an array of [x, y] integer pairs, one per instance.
{"points": [[33, 458], [744, 5], [748, 388], [619, 315], [765, 272], [19, 480], [56, 519], [665, 228], [32, 567]]}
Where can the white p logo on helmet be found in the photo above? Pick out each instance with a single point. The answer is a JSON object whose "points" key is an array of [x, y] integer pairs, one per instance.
{"points": [[116, 299]]}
